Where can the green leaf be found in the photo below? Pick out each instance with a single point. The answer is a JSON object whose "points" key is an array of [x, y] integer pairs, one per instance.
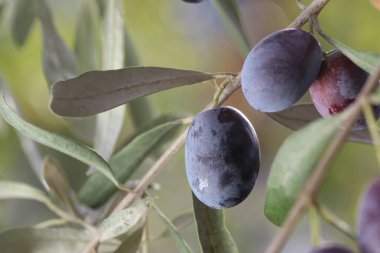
{"points": [[132, 243], [294, 163], [121, 222], [113, 36], [48, 240], [182, 245], [180, 222], [229, 12], [368, 61], [24, 15], [58, 183], [212, 232], [58, 61], [87, 38], [98, 91], [63, 144], [97, 189], [15, 190]]}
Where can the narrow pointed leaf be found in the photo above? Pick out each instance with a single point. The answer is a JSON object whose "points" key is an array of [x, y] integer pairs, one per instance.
{"points": [[63, 144], [58, 61], [368, 61], [113, 36], [58, 183], [180, 222], [23, 18], [229, 11], [182, 245], [212, 232], [97, 190], [15, 190], [87, 39], [121, 222], [48, 240], [132, 243], [294, 163], [98, 91], [298, 116]]}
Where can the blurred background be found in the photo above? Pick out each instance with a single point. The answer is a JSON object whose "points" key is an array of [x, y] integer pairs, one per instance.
{"points": [[171, 33]]}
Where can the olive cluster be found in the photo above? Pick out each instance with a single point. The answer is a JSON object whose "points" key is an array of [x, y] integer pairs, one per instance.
{"points": [[222, 149]]}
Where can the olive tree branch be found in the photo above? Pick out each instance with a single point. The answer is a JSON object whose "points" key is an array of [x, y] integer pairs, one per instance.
{"points": [[312, 185], [311, 10]]}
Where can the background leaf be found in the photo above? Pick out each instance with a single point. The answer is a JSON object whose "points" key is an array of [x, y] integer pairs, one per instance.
{"points": [[368, 61], [58, 61], [58, 183], [121, 222], [229, 12], [23, 18], [97, 190], [182, 245], [87, 37], [15, 190], [98, 91], [48, 240], [55, 141], [293, 164], [132, 243], [180, 222]]}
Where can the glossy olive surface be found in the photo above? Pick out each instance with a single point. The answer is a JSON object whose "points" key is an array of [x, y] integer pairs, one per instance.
{"points": [[279, 70], [222, 157], [369, 220], [337, 85]]}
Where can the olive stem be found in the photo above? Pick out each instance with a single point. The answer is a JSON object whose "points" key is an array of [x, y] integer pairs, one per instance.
{"points": [[329, 217], [372, 127], [315, 230]]}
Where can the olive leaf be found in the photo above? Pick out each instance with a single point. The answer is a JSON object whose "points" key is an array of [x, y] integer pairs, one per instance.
{"points": [[98, 91], [58, 61], [182, 245], [61, 143], [121, 222], [132, 243], [47, 240], [180, 222], [97, 190], [87, 40], [15, 190], [293, 164], [368, 61], [23, 18], [58, 183], [229, 10]]}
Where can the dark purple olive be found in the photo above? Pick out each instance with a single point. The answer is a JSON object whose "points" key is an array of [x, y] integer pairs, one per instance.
{"points": [[369, 220], [280, 69], [331, 249], [222, 157], [193, 1], [337, 85]]}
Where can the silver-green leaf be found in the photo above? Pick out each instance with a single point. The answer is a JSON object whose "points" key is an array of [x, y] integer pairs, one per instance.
{"points": [[121, 222], [98, 91], [61, 143], [97, 189], [294, 163], [48, 240]]}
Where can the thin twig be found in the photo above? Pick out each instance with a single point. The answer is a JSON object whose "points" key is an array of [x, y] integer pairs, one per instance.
{"points": [[313, 9]]}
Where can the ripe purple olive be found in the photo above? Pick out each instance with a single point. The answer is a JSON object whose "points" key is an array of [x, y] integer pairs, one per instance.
{"points": [[222, 157], [331, 249], [337, 85], [369, 220], [280, 69]]}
